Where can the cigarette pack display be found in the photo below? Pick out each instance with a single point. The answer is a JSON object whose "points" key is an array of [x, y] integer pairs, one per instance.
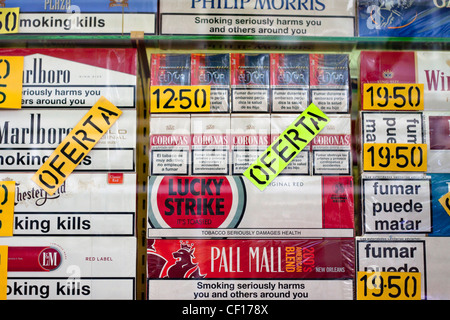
{"points": [[437, 138], [231, 206], [250, 82], [289, 82], [210, 144], [105, 17], [77, 78], [427, 256], [85, 205], [213, 70], [256, 17], [170, 144], [430, 68], [419, 18], [440, 186], [170, 69], [330, 82], [70, 268], [250, 136], [300, 165], [397, 204], [290, 268], [29, 136]]}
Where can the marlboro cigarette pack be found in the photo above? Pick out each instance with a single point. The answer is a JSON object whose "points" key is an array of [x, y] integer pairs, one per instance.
{"points": [[234, 269], [250, 82], [97, 204], [62, 268], [106, 17], [231, 206], [426, 256], [213, 70]]}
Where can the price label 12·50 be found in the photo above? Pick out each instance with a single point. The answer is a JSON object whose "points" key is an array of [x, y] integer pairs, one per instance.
{"points": [[166, 99], [395, 157]]}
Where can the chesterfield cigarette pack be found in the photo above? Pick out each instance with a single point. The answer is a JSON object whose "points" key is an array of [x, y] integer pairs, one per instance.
{"points": [[426, 257], [73, 17], [250, 269], [68, 268], [256, 17], [289, 82], [250, 82], [170, 144], [213, 70], [97, 204], [230, 206]]}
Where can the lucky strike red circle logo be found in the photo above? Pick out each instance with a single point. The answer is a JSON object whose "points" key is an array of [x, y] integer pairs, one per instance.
{"points": [[194, 202]]}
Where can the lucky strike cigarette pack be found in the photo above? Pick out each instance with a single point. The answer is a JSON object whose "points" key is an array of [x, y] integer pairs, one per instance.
{"points": [[70, 268], [430, 68], [250, 269], [73, 17], [427, 256], [232, 207], [250, 82], [94, 204]]}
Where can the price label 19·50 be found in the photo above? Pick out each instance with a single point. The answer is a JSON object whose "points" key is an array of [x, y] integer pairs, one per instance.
{"points": [[166, 99], [389, 286], [9, 20], [393, 96], [11, 74], [395, 157]]}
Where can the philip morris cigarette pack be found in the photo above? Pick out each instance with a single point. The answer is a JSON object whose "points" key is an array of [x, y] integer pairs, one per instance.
{"points": [[289, 82], [97, 204], [29, 136], [330, 82], [250, 82], [397, 204], [210, 144], [71, 17], [70, 268], [301, 164], [250, 136], [170, 69], [213, 70], [170, 144], [279, 269], [420, 18], [431, 69], [256, 17], [437, 138], [77, 78], [231, 206], [425, 255]]}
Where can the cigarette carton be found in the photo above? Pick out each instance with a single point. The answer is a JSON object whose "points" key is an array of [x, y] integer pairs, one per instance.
{"points": [[170, 144], [70, 268], [250, 269], [250, 82], [230, 206], [85, 205]]}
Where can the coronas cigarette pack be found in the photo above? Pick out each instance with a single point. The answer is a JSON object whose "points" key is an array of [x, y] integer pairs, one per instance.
{"points": [[68, 268], [250, 269], [231, 206]]}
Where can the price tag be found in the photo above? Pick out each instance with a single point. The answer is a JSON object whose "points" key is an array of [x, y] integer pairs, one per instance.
{"points": [[9, 20], [393, 96], [388, 286], [11, 77], [71, 151], [3, 271], [286, 147], [395, 157], [180, 99], [7, 196]]}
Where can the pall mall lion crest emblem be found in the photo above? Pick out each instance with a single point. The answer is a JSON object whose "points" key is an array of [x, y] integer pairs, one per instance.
{"points": [[183, 268]]}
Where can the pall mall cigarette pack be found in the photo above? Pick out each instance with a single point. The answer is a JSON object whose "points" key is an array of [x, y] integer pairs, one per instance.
{"points": [[276, 269], [70, 268], [80, 17]]}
